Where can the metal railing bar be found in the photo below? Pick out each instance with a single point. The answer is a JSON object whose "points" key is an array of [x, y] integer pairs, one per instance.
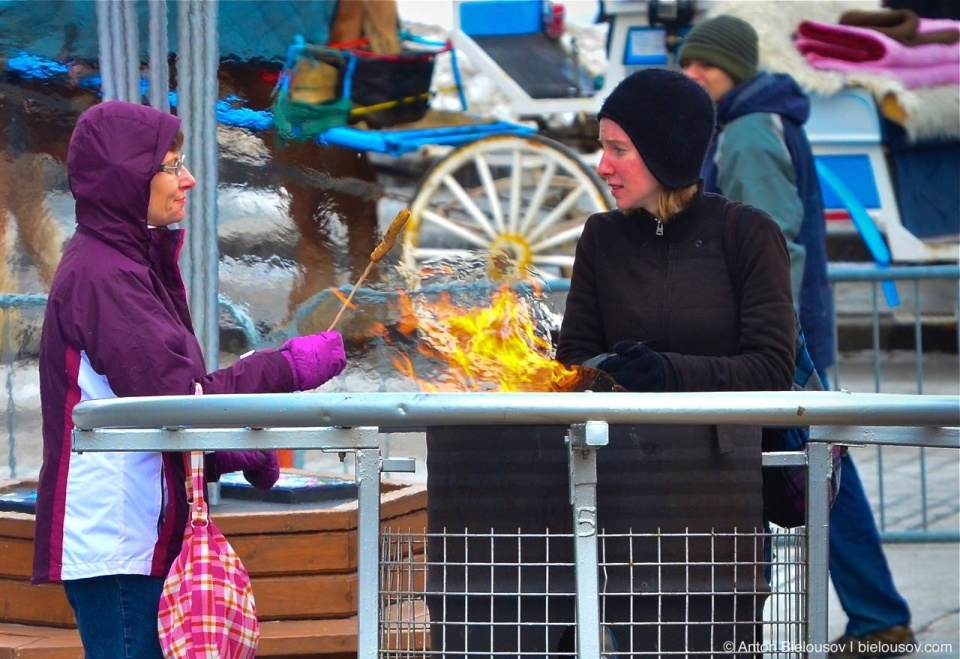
{"points": [[930, 437], [406, 410], [214, 439], [852, 272], [910, 537], [849, 271]]}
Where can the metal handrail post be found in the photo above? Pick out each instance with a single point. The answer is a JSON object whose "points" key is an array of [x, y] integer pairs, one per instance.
{"points": [[819, 471], [583, 439], [368, 541]]}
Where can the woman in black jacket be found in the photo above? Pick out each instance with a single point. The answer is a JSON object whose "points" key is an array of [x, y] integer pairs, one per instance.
{"points": [[652, 302]]}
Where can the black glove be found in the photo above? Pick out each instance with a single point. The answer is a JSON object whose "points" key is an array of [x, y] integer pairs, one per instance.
{"points": [[636, 367]]}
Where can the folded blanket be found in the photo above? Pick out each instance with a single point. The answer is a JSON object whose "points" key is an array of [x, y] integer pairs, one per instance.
{"points": [[856, 44], [903, 26], [852, 49], [947, 73]]}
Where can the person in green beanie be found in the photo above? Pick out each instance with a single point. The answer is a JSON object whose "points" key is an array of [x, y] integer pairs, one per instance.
{"points": [[761, 156]]}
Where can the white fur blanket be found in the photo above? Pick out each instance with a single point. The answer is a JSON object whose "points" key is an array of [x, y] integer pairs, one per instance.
{"points": [[927, 112]]}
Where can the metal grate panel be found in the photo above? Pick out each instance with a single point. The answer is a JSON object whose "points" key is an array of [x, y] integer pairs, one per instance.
{"points": [[650, 605]]}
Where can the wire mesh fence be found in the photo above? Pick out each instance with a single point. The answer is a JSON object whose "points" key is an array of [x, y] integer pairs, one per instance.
{"points": [[474, 594]]}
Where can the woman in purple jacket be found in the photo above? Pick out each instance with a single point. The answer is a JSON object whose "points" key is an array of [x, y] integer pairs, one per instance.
{"points": [[109, 525]]}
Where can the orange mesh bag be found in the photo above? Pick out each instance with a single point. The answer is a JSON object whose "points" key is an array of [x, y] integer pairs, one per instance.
{"points": [[207, 607]]}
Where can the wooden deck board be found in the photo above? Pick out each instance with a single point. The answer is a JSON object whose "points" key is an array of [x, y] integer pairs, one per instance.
{"points": [[287, 638], [29, 642], [302, 562]]}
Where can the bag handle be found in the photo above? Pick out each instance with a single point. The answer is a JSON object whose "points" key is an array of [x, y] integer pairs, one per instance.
{"points": [[194, 485], [194, 479]]}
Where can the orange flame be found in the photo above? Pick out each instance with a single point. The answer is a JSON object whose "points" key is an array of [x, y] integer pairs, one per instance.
{"points": [[481, 348]]}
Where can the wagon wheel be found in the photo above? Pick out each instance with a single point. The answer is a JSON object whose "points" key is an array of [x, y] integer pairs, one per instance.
{"points": [[523, 196]]}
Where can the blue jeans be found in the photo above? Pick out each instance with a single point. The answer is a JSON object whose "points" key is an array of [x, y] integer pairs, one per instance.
{"points": [[858, 566], [117, 615]]}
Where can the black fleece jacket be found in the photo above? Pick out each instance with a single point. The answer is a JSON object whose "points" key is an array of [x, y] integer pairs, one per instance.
{"points": [[674, 293]]}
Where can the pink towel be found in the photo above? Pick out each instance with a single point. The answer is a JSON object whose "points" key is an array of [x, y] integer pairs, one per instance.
{"points": [[858, 44], [937, 25], [851, 49], [912, 77]]}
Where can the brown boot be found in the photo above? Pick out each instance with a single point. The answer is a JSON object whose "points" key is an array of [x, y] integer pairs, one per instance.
{"points": [[894, 641]]}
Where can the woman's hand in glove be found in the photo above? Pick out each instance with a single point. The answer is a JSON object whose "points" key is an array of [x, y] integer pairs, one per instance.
{"points": [[636, 367], [260, 468], [314, 358]]}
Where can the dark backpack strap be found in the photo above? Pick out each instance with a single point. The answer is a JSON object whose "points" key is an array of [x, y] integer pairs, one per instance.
{"points": [[727, 435], [731, 219], [784, 488], [805, 374]]}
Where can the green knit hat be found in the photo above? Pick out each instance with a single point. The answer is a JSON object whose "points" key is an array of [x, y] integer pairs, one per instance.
{"points": [[726, 42]]}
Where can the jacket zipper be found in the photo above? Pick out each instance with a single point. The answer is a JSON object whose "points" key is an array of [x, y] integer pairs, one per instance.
{"points": [[659, 227]]}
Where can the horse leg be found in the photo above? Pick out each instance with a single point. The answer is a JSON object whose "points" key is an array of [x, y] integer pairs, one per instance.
{"points": [[332, 193], [381, 26], [348, 22], [39, 233], [8, 317], [314, 254]]}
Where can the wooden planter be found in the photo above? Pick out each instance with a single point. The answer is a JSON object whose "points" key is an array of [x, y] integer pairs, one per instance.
{"points": [[302, 559]]}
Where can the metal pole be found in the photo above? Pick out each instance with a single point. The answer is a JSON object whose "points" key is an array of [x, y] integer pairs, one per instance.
{"points": [[819, 471], [582, 442], [119, 45], [368, 540], [197, 60], [158, 91]]}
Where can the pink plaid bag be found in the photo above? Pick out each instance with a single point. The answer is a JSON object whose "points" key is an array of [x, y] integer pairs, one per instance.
{"points": [[207, 607]]}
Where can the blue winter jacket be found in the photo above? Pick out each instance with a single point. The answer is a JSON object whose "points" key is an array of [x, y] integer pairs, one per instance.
{"points": [[761, 156]]}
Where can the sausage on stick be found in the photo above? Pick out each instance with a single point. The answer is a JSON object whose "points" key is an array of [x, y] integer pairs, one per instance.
{"points": [[380, 251]]}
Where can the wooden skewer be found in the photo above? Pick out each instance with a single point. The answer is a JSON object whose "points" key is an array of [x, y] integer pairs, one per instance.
{"points": [[381, 250], [346, 302]]}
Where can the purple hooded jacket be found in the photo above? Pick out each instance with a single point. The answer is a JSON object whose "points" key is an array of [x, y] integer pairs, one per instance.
{"points": [[117, 324]]}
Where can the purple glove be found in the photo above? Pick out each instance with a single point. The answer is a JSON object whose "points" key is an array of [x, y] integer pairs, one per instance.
{"points": [[314, 358], [260, 468]]}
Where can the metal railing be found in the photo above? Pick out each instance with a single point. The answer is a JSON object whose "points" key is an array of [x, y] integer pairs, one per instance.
{"points": [[925, 296], [912, 280], [351, 422]]}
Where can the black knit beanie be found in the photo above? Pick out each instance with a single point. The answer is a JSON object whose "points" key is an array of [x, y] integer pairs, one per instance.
{"points": [[670, 120], [726, 42]]}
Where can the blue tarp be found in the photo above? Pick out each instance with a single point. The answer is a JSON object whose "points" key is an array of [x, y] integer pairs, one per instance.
{"points": [[249, 29]]}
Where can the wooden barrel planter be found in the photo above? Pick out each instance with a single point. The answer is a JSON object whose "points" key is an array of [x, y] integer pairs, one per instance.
{"points": [[302, 559]]}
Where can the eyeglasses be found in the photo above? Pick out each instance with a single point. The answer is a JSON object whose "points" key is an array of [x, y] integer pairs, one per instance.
{"points": [[176, 168]]}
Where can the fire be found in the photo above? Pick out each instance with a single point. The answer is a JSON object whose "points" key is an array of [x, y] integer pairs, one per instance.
{"points": [[481, 348]]}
